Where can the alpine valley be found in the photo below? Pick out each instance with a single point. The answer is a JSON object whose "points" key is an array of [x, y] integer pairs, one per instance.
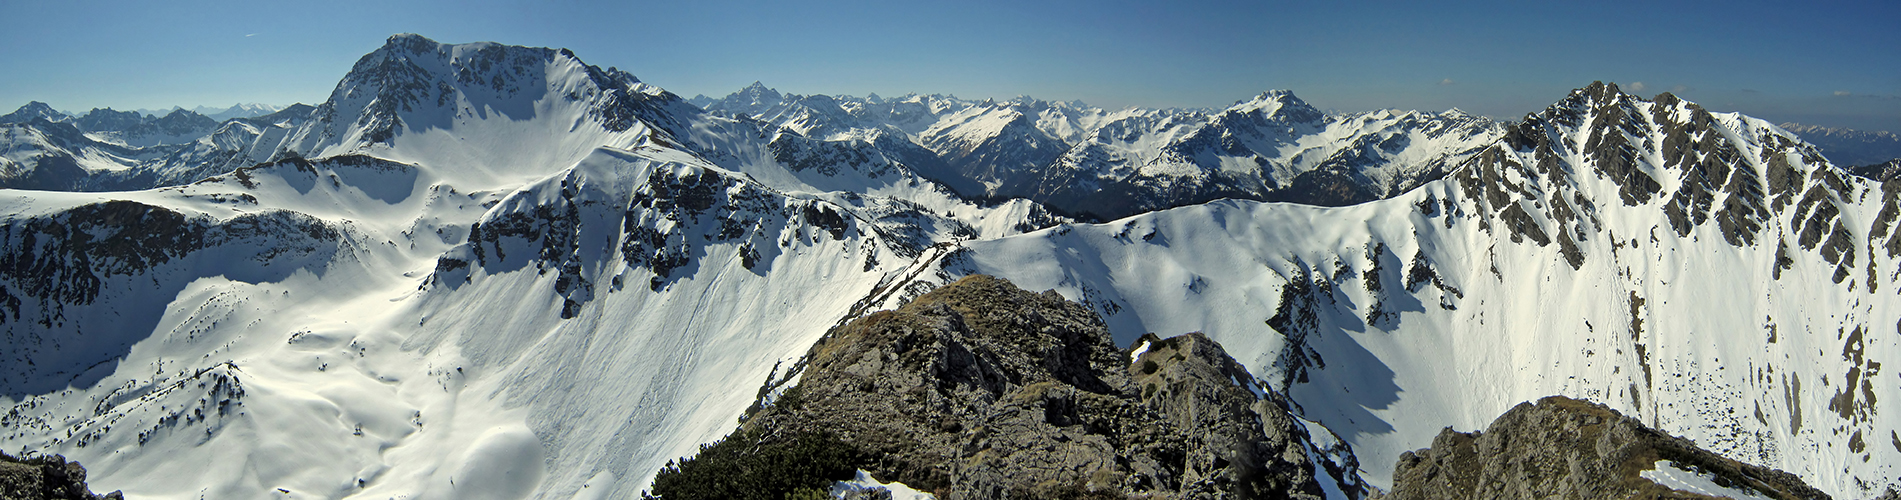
{"points": [[488, 271]]}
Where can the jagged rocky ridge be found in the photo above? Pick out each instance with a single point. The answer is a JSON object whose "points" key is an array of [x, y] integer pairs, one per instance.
{"points": [[1565, 448], [1592, 247], [59, 271], [982, 390], [93, 152], [620, 242], [1106, 164], [46, 478], [124, 128], [408, 363], [1880, 172]]}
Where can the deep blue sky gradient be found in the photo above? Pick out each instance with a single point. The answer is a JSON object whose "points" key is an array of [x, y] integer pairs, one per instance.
{"points": [[1821, 62]]}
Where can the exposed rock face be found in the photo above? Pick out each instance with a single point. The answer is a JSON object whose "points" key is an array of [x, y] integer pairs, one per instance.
{"points": [[1883, 172], [1565, 448], [983, 390], [55, 267], [49, 477]]}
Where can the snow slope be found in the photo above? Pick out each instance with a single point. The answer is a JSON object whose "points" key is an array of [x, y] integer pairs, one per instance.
{"points": [[405, 316], [1707, 273], [484, 270], [610, 316], [40, 154]]}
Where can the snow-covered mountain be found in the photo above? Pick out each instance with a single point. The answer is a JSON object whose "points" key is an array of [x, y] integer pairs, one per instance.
{"points": [[401, 323], [1707, 273], [57, 156], [479, 269], [1100, 163], [35, 109], [239, 110], [1850, 147], [130, 129], [106, 119], [236, 143], [1880, 172], [93, 153]]}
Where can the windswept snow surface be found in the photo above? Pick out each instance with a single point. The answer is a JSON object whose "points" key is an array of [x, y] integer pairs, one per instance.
{"points": [[1547, 265]]}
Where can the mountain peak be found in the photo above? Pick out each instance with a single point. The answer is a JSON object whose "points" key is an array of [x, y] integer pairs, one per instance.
{"points": [[1276, 96], [758, 89], [1600, 91], [1279, 103], [752, 99], [410, 42], [415, 82], [36, 106], [31, 110]]}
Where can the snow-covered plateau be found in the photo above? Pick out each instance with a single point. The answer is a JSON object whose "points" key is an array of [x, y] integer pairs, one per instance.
{"points": [[488, 271]]}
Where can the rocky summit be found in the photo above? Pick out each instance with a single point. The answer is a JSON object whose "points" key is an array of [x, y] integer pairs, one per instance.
{"points": [[983, 390], [48, 477], [1566, 448]]}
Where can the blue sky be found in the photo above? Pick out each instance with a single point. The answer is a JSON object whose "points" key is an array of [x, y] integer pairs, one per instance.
{"points": [[1827, 63]]}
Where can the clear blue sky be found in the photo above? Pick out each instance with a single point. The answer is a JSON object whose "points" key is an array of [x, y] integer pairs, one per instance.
{"points": [[1827, 63]]}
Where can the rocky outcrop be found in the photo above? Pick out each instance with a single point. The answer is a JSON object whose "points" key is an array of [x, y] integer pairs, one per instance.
{"points": [[982, 390], [45, 477], [1881, 172], [1565, 448]]}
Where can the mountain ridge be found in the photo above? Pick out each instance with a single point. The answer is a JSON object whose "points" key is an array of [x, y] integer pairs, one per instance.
{"points": [[553, 282], [1640, 217], [1073, 157], [1849, 146]]}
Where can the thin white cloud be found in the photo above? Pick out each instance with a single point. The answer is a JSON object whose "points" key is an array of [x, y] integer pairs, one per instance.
{"points": [[1447, 81], [1636, 86], [1842, 92], [250, 35]]}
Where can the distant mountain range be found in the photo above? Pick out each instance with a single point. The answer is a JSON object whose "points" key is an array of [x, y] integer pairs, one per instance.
{"points": [[499, 269], [105, 150], [1101, 164], [40, 109], [1850, 147]]}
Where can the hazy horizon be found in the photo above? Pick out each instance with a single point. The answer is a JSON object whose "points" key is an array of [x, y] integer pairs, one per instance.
{"points": [[1828, 64]]}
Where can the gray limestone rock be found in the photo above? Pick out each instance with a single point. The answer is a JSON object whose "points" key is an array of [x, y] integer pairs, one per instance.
{"points": [[1565, 448], [983, 390], [48, 477]]}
